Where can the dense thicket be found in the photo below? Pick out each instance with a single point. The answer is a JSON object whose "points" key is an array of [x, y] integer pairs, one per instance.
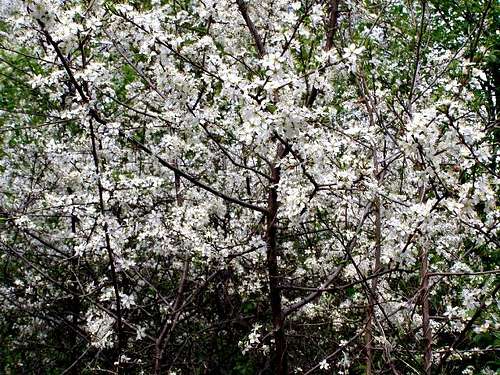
{"points": [[243, 187]]}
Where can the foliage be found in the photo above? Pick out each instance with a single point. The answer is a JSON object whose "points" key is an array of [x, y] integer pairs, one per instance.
{"points": [[268, 187]]}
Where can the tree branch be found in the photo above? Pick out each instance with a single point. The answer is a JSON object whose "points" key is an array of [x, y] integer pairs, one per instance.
{"points": [[251, 26]]}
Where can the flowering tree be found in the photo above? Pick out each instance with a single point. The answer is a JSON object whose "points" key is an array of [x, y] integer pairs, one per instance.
{"points": [[238, 187]]}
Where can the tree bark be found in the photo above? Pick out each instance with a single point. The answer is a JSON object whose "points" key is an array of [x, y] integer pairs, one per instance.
{"points": [[372, 297], [426, 327], [280, 358]]}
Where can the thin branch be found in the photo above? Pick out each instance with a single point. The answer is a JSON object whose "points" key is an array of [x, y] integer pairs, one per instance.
{"points": [[242, 7], [194, 180], [314, 295], [479, 273]]}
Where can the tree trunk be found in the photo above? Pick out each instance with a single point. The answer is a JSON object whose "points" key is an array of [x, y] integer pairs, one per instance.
{"points": [[426, 327], [372, 297], [280, 360]]}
